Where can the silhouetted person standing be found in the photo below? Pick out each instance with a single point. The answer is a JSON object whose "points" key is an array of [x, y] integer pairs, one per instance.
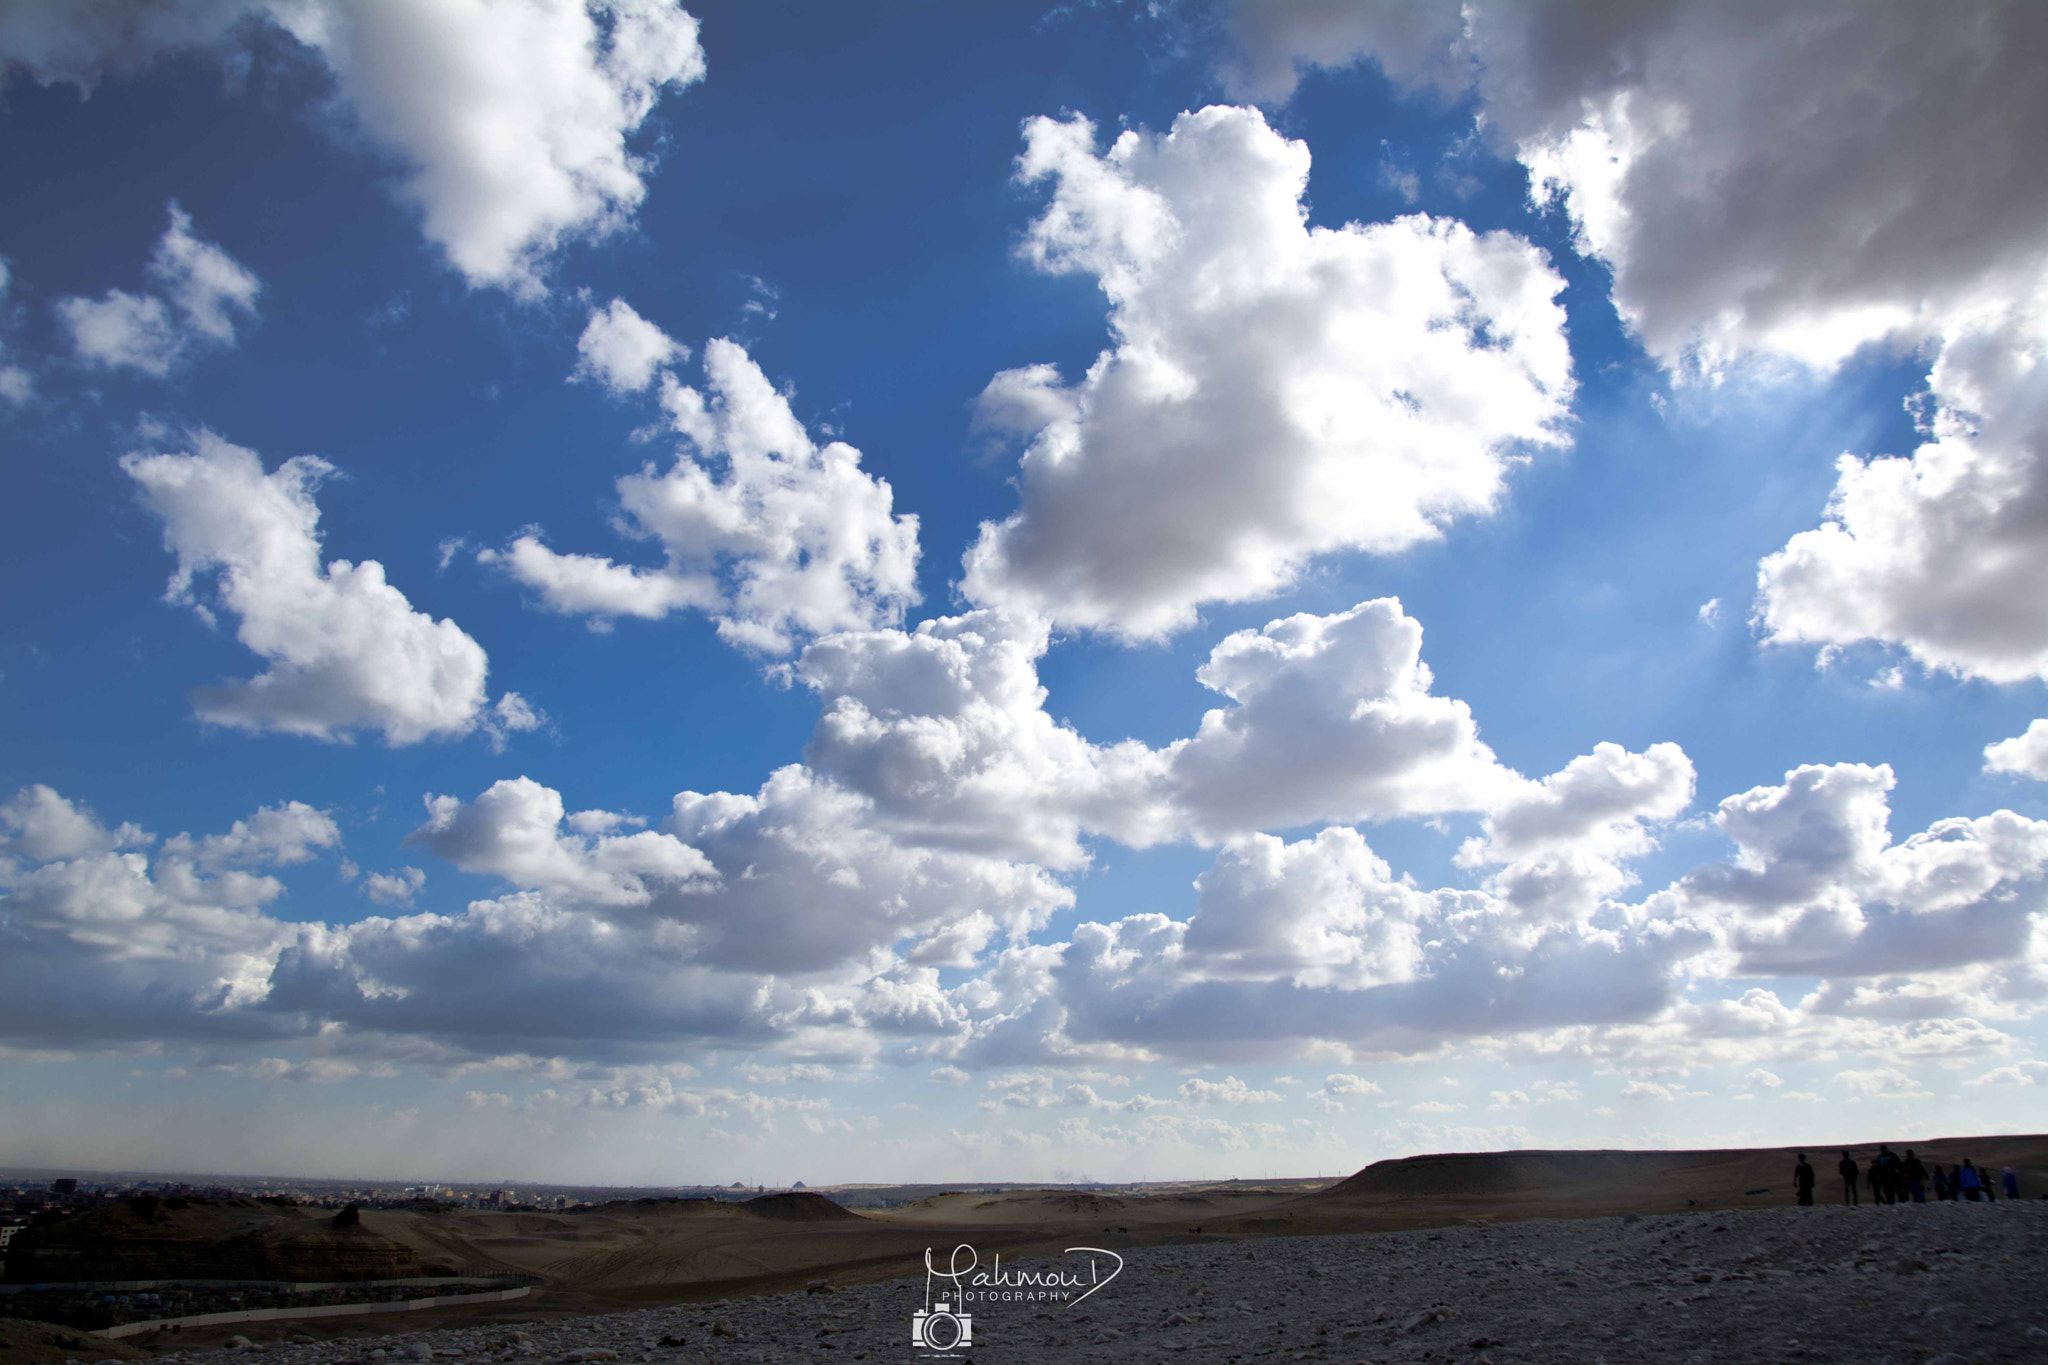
{"points": [[1916, 1177], [1802, 1181], [2012, 1183], [1882, 1174], [1847, 1166], [1969, 1181], [1942, 1189]]}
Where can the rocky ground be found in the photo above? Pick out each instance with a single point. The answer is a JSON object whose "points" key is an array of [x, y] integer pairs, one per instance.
{"points": [[1934, 1284]]}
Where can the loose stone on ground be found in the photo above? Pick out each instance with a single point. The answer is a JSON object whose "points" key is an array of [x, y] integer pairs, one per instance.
{"points": [[1931, 1284]]}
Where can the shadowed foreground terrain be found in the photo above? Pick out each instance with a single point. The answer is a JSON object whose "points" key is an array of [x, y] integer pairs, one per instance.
{"points": [[1925, 1284], [652, 1252]]}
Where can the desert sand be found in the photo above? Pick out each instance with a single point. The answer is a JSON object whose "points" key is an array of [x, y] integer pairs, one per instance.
{"points": [[1929, 1284], [1469, 1230], [627, 1254]]}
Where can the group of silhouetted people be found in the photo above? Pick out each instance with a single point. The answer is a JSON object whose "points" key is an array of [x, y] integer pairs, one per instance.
{"points": [[1890, 1179]]}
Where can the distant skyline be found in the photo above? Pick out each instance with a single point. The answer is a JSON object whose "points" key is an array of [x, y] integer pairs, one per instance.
{"points": [[91, 1178], [609, 592]]}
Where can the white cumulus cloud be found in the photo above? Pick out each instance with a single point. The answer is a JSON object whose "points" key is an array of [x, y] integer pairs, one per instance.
{"points": [[1316, 942], [1273, 392], [40, 824], [1900, 214], [1940, 553], [2024, 755], [201, 290], [1898, 208], [1565, 840], [944, 728], [743, 919], [513, 831], [774, 535], [511, 118], [1318, 912], [276, 836], [395, 888], [1817, 886], [797, 918], [1883, 1082], [1334, 721], [110, 942], [2021, 1073], [1229, 1090], [346, 650], [622, 350]]}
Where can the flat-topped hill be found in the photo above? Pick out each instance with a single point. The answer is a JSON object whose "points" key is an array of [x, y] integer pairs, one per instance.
{"points": [[1410, 1191], [798, 1207]]}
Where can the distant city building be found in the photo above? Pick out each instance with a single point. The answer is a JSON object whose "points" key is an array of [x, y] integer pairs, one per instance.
{"points": [[64, 1184]]}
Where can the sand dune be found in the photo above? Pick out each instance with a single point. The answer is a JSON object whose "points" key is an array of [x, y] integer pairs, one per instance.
{"points": [[620, 1252], [1081, 1208]]}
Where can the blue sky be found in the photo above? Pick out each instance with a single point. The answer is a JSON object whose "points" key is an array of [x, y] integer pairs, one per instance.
{"points": [[1001, 464]]}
